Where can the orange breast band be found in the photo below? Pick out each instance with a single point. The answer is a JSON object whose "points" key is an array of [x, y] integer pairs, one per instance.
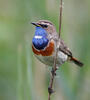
{"points": [[47, 51]]}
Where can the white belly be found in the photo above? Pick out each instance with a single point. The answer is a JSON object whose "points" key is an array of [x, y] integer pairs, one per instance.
{"points": [[49, 60]]}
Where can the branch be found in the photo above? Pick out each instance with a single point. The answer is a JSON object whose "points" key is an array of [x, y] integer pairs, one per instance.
{"points": [[54, 68], [60, 18], [53, 72]]}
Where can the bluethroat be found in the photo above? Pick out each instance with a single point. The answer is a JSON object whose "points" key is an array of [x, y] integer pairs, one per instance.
{"points": [[44, 45]]}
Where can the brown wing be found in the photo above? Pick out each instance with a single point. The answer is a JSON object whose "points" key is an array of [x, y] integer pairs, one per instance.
{"points": [[64, 48]]}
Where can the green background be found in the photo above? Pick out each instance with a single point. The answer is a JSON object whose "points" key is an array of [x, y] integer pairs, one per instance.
{"points": [[22, 76]]}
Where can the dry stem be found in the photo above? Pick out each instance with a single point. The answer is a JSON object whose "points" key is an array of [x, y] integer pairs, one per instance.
{"points": [[53, 72], [54, 68], [60, 18]]}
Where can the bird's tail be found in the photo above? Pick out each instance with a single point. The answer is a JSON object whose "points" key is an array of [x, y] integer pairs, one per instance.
{"points": [[80, 64]]}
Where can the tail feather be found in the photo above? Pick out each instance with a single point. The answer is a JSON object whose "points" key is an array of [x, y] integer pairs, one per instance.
{"points": [[77, 62]]}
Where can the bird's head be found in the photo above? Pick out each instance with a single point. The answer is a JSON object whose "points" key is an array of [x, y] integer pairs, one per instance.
{"points": [[45, 24]]}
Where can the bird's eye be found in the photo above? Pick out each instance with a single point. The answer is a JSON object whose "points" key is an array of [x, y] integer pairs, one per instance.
{"points": [[44, 25]]}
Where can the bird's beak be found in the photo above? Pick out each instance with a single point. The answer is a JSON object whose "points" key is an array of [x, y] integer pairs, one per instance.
{"points": [[34, 23]]}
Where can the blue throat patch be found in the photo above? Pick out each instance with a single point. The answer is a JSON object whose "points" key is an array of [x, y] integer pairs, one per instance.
{"points": [[40, 40]]}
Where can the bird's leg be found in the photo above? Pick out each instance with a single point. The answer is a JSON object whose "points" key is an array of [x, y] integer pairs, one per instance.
{"points": [[53, 71], [49, 69]]}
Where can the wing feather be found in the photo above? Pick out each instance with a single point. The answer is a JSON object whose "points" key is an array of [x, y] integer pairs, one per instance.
{"points": [[64, 48]]}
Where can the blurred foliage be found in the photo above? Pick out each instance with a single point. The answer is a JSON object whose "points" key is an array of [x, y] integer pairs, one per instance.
{"points": [[22, 76]]}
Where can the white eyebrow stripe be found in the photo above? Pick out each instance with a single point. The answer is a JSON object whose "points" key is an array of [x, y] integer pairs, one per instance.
{"points": [[45, 23], [37, 37]]}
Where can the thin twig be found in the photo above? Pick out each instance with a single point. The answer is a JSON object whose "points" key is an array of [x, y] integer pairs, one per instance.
{"points": [[60, 18], [50, 90], [54, 68]]}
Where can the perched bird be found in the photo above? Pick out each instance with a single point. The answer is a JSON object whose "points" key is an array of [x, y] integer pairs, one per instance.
{"points": [[45, 43]]}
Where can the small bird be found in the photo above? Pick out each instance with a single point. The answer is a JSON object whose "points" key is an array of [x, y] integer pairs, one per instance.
{"points": [[45, 43]]}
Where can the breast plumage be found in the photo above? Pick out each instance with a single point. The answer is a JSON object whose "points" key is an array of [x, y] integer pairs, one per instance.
{"points": [[41, 44], [47, 51]]}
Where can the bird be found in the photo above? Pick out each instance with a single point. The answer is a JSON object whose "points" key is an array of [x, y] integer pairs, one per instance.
{"points": [[46, 41]]}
